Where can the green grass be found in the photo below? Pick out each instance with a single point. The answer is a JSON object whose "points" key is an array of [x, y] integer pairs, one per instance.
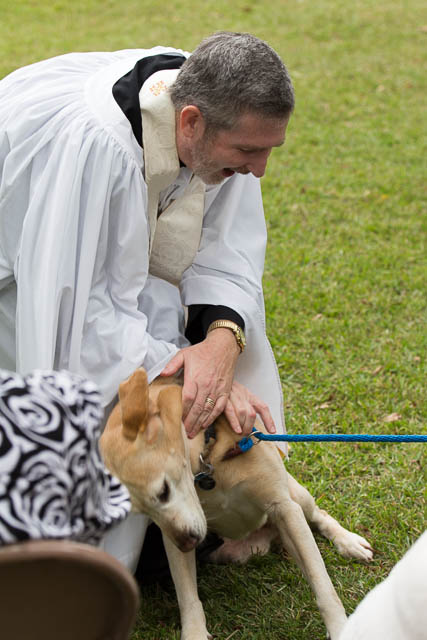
{"points": [[345, 278]]}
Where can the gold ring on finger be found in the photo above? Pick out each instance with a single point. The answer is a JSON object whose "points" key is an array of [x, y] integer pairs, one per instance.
{"points": [[210, 402]]}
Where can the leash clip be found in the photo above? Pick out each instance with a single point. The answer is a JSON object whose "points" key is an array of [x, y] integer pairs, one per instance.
{"points": [[247, 443], [254, 432]]}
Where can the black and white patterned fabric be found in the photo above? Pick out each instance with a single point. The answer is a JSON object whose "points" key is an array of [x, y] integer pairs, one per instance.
{"points": [[53, 483]]}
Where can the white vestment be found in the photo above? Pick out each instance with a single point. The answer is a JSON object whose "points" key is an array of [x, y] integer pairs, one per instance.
{"points": [[396, 609], [75, 288]]}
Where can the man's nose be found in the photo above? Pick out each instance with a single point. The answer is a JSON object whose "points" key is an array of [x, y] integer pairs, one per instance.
{"points": [[258, 164]]}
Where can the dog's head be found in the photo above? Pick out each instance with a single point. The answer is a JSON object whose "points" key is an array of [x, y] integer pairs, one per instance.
{"points": [[144, 444]]}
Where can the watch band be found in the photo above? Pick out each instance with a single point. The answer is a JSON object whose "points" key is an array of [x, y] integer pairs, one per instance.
{"points": [[228, 324]]}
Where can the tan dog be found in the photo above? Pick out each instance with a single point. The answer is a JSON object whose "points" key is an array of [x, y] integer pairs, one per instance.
{"points": [[144, 444]]}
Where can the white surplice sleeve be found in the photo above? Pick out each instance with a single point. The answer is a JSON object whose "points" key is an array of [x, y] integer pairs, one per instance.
{"points": [[82, 265], [228, 269], [74, 231]]}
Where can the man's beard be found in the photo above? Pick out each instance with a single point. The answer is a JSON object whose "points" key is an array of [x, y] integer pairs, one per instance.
{"points": [[202, 165]]}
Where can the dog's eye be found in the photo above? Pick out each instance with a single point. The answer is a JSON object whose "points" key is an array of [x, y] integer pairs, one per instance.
{"points": [[164, 495]]}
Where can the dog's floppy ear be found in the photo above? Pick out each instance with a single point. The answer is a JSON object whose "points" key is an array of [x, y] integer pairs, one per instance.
{"points": [[133, 395], [170, 404]]}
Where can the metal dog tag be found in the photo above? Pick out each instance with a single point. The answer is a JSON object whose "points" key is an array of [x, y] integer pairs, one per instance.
{"points": [[204, 481]]}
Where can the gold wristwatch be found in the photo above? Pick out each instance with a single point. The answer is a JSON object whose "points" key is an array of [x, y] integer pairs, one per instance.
{"points": [[228, 324]]}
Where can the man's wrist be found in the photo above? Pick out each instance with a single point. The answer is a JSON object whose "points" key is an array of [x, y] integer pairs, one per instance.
{"points": [[226, 340], [231, 326]]}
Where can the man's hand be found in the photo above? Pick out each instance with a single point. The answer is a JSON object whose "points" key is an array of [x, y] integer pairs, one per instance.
{"points": [[242, 408], [208, 377]]}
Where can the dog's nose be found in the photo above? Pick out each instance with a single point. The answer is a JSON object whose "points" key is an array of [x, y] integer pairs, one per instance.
{"points": [[187, 542]]}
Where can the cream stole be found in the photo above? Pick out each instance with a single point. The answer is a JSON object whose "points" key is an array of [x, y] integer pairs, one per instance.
{"points": [[175, 235]]}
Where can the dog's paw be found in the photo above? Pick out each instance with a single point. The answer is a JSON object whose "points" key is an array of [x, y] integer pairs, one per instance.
{"points": [[351, 545], [194, 625], [239, 551]]}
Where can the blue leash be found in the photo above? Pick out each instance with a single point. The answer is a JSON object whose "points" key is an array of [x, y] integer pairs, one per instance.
{"points": [[247, 443]]}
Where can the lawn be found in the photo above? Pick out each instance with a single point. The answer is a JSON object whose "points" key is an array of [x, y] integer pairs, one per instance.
{"points": [[345, 277]]}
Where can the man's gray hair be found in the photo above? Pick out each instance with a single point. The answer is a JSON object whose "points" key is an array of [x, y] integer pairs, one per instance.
{"points": [[229, 74]]}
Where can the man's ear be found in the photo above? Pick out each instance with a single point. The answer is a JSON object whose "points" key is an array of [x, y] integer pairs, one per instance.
{"points": [[191, 123]]}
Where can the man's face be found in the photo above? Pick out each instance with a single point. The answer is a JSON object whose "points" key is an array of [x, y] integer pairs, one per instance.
{"points": [[243, 149]]}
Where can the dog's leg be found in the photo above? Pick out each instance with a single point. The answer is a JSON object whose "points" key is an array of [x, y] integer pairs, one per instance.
{"points": [[298, 539], [183, 570], [349, 544]]}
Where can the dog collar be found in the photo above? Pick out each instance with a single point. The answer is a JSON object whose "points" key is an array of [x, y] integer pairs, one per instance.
{"points": [[242, 445], [204, 478]]}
